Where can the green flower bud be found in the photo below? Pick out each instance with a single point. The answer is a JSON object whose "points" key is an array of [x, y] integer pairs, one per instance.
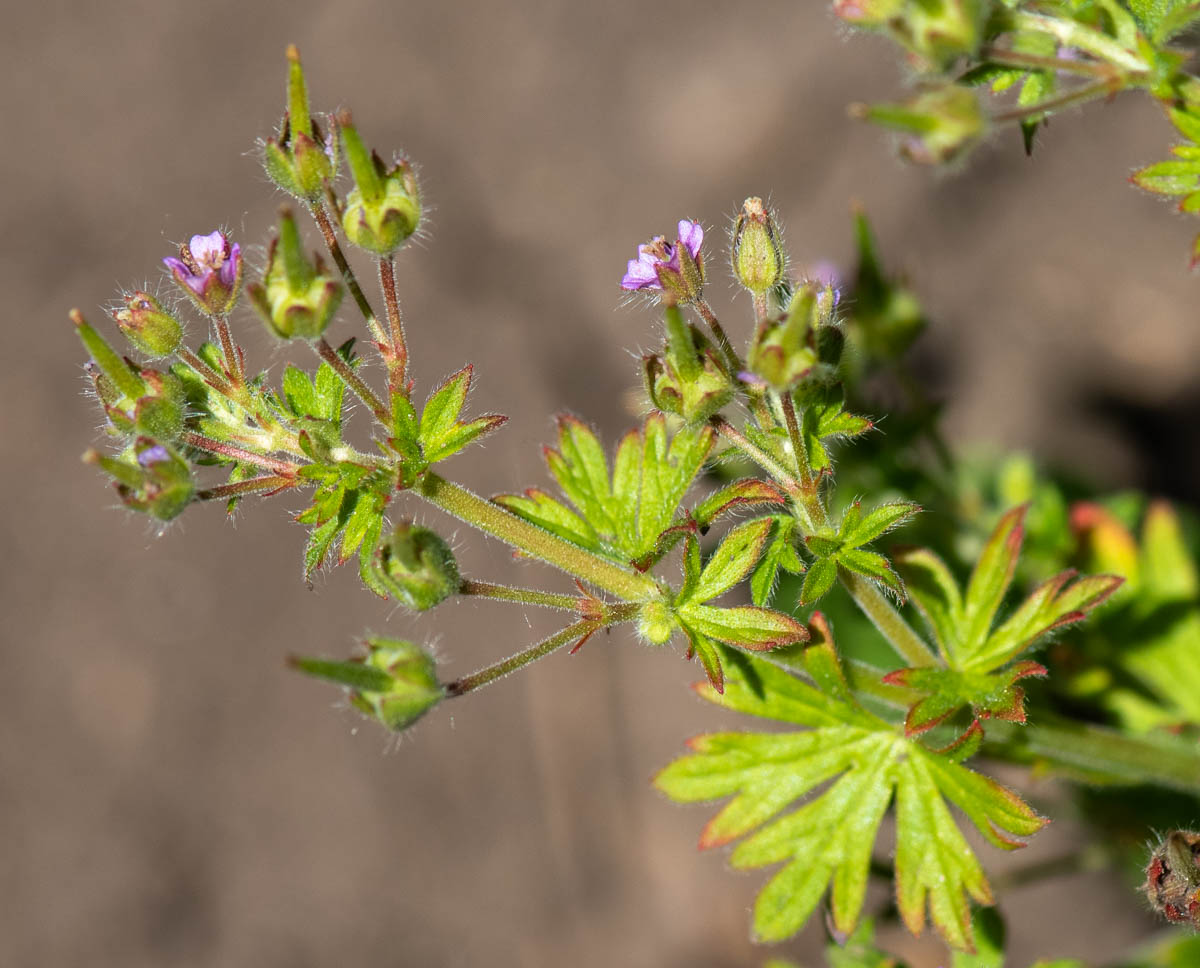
{"points": [[296, 297], [394, 683], [384, 208], [148, 326], [160, 413], [784, 351], [689, 379], [942, 123], [757, 256], [417, 567], [941, 31], [149, 477], [300, 160], [656, 623]]}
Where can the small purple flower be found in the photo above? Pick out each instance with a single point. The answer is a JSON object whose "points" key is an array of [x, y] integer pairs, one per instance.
{"points": [[826, 275], [209, 270], [660, 265], [154, 454]]}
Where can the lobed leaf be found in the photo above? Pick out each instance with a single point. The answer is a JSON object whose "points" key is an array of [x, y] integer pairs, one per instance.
{"points": [[733, 560], [840, 775]]}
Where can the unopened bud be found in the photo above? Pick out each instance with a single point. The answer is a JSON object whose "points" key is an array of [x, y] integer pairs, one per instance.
{"points": [[160, 412], [149, 477], [941, 124], [296, 297], [656, 623], [395, 683], [148, 326], [417, 567], [784, 351], [301, 159], [689, 379], [758, 258], [384, 208]]}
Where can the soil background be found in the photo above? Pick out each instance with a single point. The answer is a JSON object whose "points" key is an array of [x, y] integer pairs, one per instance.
{"points": [[169, 793]]}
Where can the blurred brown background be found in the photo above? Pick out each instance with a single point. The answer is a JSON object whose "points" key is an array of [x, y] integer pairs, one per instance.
{"points": [[170, 795]]}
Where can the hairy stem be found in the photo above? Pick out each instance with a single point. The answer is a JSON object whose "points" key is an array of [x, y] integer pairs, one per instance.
{"points": [[206, 372], [523, 596], [477, 680], [222, 449], [1014, 58], [1088, 92], [339, 257], [1072, 34], [534, 541], [398, 362], [718, 331], [891, 624], [353, 381], [253, 485]]}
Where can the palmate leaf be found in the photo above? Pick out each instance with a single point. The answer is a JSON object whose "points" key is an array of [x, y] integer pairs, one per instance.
{"points": [[440, 433], [860, 764], [976, 655], [631, 511]]}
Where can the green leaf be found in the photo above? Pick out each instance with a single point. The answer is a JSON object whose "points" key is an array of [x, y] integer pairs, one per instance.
{"points": [[780, 553], [1169, 177], [876, 522], [989, 942], [441, 434], [540, 508], [747, 627], [843, 773], [626, 517], [298, 393], [735, 556], [975, 659], [744, 493], [822, 573], [990, 580], [873, 566]]}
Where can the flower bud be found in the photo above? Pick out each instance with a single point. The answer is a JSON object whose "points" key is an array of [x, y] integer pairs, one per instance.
{"points": [[148, 326], [942, 123], [656, 623], [417, 567], [757, 256], [160, 412], [209, 271], [784, 351], [676, 269], [384, 207], [300, 160], [296, 297], [1173, 878], [394, 683], [149, 477], [689, 379]]}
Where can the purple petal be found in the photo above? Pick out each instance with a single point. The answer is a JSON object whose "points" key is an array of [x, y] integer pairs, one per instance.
{"points": [[229, 268], [825, 273], [640, 275], [207, 249], [183, 275], [153, 455], [691, 234]]}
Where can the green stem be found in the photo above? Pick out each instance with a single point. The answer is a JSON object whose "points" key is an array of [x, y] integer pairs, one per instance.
{"points": [[534, 541], [575, 632], [1088, 92], [891, 624], [398, 360], [348, 276], [1072, 34], [523, 596], [1014, 58], [232, 452], [254, 485], [718, 331], [353, 381], [782, 476], [1096, 754]]}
